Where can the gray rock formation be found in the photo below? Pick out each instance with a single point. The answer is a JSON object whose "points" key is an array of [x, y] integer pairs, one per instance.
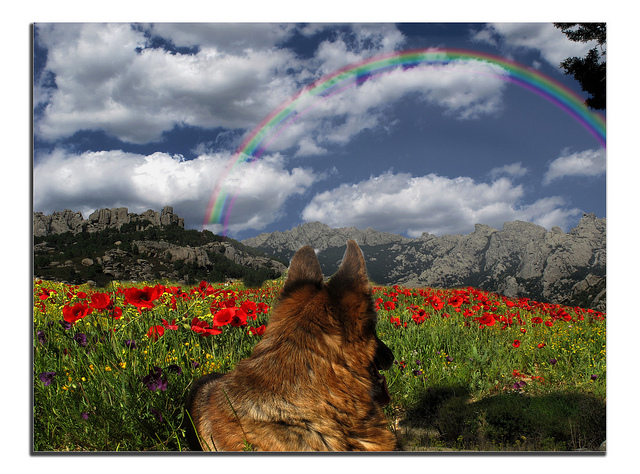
{"points": [[200, 255], [320, 237], [57, 223], [138, 260], [521, 260], [120, 265], [68, 221]]}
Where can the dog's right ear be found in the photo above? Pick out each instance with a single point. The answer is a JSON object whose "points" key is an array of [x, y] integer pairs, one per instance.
{"points": [[304, 268]]}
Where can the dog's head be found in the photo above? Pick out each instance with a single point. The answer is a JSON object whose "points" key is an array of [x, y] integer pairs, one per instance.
{"points": [[343, 306]]}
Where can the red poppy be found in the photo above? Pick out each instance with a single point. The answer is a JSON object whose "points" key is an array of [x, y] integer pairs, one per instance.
{"points": [[206, 289], [100, 301], [419, 316], [223, 317], [516, 343], [456, 301], [230, 303], [536, 320], [239, 318], [171, 326], [45, 294], [263, 308], [202, 328], [250, 309], [155, 332], [436, 302], [548, 323], [115, 312], [378, 303], [142, 298], [71, 314], [395, 321], [389, 305], [541, 345], [487, 319], [564, 315], [259, 331], [467, 313]]}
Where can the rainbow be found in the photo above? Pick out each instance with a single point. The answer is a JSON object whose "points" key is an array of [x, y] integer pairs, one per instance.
{"points": [[293, 109]]}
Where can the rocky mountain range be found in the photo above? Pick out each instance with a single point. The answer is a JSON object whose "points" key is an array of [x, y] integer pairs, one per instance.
{"points": [[521, 260]]}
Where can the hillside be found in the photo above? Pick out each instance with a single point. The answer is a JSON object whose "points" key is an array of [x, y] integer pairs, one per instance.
{"points": [[114, 244], [521, 260]]}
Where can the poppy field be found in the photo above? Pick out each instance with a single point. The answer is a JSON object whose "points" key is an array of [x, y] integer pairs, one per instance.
{"points": [[473, 370]]}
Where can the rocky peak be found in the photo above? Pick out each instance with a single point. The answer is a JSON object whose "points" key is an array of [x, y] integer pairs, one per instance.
{"points": [[68, 221], [320, 237]]}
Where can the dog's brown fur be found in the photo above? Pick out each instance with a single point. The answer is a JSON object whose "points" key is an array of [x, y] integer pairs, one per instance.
{"points": [[311, 383]]}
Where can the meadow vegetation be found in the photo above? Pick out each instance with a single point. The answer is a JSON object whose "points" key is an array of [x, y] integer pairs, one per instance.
{"points": [[473, 371]]}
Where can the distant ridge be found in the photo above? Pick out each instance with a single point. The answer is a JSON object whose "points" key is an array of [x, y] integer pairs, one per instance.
{"points": [[521, 260], [320, 237]]}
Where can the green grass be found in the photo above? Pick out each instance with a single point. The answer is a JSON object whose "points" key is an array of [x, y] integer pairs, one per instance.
{"points": [[459, 382]]}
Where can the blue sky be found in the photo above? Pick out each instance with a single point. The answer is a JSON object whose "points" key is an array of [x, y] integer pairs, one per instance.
{"points": [[147, 115]]}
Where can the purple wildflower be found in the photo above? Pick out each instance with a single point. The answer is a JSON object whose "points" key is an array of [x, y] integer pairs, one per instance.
{"points": [[553, 361], [66, 325], [594, 376], [154, 381], [174, 368], [156, 413], [84, 415], [42, 339], [46, 377], [417, 372], [130, 344], [81, 339]]}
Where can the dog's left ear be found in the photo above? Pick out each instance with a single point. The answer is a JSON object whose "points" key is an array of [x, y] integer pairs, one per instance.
{"points": [[353, 270]]}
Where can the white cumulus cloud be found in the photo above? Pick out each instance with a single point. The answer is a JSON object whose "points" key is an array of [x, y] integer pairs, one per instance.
{"points": [[550, 41], [108, 78], [356, 44], [465, 91], [139, 182], [402, 203], [584, 163], [515, 170]]}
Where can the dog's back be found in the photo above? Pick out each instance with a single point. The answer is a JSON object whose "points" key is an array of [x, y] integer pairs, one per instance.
{"points": [[311, 383]]}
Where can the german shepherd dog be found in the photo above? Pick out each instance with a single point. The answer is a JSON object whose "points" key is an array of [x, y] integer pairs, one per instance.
{"points": [[312, 382]]}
